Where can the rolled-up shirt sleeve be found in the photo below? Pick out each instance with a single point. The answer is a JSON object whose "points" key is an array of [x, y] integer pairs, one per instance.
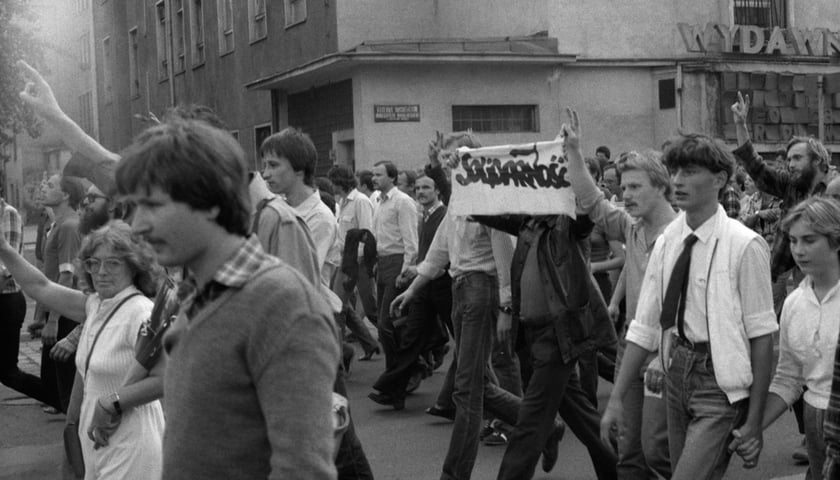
{"points": [[756, 289], [789, 378], [644, 330], [502, 245], [408, 231]]}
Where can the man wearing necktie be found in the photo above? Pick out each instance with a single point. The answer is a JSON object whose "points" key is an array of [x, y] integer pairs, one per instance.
{"points": [[706, 301]]}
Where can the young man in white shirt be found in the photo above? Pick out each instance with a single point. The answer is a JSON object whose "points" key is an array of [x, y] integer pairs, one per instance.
{"points": [[706, 302]]}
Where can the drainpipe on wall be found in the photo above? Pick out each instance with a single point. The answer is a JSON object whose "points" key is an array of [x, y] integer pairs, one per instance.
{"points": [[170, 67], [821, 116]]}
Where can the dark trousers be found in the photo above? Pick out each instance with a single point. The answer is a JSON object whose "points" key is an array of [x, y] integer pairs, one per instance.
{"points": [[389, 268], [420, 327], [12, 314], [351, 463], [57, 377], [553, 387]]}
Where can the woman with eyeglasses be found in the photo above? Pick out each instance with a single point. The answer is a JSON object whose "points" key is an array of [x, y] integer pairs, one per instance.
{"points": [[121, 426], [809, 328]]}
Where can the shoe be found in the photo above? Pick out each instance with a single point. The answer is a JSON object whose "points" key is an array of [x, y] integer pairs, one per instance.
{"points": [[414, 382], [800, 454], [495, 438], [448, 413], [486, 431], [551, 449], [387, 400], [50, 410], [368, 356]]}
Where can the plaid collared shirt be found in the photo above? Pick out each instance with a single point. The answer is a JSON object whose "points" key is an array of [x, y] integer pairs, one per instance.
{"points": [[13, 231], [234, 273], [731, 202]]}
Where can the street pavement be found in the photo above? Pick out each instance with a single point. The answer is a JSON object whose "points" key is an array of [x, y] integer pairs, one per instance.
{"points": [[400, 445]]}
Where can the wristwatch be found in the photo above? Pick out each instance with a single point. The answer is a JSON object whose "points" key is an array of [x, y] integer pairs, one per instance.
{"points": [[115, 402], [506, 309]]}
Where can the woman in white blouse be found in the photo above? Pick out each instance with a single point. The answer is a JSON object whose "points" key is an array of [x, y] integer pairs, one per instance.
{"points": [[809, 326], [120, 427]]}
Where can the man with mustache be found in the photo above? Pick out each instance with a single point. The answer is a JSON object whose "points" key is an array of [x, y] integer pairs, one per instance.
{"points": [[808, 162]]}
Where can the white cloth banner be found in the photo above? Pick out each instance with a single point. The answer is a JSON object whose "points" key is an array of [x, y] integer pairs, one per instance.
{"points": [[529, 179]]}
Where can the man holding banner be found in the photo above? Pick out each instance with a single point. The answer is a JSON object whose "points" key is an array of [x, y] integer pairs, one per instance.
{"points": [[558, 317]]}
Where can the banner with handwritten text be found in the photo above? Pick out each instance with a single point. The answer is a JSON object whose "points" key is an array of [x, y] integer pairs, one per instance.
{"points": [[529, 179]]}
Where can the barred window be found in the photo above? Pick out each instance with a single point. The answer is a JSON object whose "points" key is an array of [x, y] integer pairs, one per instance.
{"points": [[496, 118], [761, 13]]}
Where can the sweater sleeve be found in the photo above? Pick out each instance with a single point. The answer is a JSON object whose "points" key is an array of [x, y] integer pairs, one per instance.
{"points": [[294, 378]]}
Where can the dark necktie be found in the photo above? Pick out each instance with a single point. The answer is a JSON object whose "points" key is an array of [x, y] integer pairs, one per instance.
{"points": [[673, 308]]}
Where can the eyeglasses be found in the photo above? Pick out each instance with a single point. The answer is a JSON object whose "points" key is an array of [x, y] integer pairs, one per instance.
{"points": [[93, 265], [92, 197]]}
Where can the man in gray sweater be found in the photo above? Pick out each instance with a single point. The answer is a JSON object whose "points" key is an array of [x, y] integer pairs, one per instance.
{"points": [[253, 353]]}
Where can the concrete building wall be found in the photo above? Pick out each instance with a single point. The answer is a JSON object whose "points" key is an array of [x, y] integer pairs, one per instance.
{"points": [[436, 89]]}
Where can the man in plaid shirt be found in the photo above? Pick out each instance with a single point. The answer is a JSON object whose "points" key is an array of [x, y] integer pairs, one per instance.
{"points": [[13, 306]]}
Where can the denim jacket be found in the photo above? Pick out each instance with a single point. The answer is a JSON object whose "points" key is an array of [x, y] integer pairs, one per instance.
{"points": [[577, 308]]}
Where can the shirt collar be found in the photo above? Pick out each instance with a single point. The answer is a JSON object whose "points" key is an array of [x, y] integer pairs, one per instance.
{"points": [[389, 194], [242, 265], [705, 231], [808, 284], [429, 212]]}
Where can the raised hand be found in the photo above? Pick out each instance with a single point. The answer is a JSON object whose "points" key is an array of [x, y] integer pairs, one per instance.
{"points": [[570, 131], [37, 93], [741, 109], [435, 146]]}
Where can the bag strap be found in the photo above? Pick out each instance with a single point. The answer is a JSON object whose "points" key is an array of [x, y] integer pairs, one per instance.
{"points": [[255, 225], [99, 332]]}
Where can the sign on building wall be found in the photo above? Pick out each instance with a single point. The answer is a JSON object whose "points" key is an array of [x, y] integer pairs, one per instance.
{"points": [[396, 113], [528, 178], [750, 39]]}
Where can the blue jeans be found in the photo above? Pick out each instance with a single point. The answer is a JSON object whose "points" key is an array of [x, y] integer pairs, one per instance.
{"points": [[475, 301], [815, 440], [643, 434], [700, 417]]}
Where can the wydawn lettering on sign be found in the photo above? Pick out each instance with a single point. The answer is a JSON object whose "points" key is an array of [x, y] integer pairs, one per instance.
{"points": [[524, 173]]}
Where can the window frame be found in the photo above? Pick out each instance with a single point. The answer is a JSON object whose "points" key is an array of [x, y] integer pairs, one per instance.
{"points": [[255, 19], [198, 38], [226, 34], [133, 62], [463, 122], [289, 20], [161, 27], [769, 5]]}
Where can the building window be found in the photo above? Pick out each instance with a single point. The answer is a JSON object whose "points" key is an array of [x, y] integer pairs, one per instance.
{"points": [[86, 112], [761, 13], [160, 29], [107, 70], [261, 132], [133, 65], [257, 20], [295, 12], [225, 26], [84, 51], [197, 32], [179, 44], [496, 118], [667, 94]]}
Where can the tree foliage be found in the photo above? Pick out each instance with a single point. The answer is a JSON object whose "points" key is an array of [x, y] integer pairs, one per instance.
{"points": [[17, 41]]}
